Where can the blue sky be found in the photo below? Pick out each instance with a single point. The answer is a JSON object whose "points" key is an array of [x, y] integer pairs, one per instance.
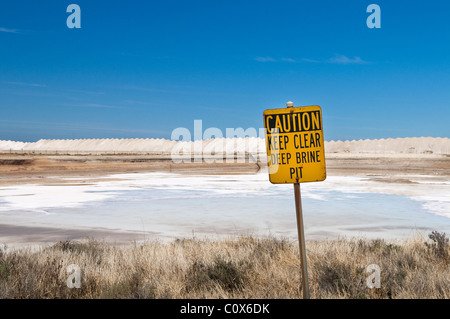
{"points": [[143, 68]]}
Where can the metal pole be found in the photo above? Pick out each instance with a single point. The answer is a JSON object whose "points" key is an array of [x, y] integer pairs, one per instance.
{"points": [[301, 240], [301, 233]]}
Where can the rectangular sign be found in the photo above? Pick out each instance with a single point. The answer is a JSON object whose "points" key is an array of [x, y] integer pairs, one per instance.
{"points": [[294, 143]]}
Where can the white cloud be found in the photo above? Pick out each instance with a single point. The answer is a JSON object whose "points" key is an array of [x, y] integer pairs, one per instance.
{"points": [[338, 59], [94, 105], [264, 59], [310, 60], [7, 30], [291, 60], [270, 59], [85, 92], [25, 84], [342, 59]]}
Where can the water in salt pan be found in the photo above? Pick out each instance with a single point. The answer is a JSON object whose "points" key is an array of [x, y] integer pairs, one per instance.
{"points": [[167, 206]]}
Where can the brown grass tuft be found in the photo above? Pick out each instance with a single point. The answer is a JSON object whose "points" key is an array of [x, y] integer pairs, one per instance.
{"points": [[242, 267]]}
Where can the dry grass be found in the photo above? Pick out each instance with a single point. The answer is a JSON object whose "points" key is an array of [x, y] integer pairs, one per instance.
{"points": [[243, 267]]}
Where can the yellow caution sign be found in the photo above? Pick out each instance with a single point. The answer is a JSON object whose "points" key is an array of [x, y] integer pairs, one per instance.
{"points": [[295, 145]]}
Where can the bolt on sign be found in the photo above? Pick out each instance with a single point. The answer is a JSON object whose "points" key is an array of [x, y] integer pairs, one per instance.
{"points": [[294, 142]]}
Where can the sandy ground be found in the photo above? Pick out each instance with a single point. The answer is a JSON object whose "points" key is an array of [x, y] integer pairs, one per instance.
{"points": [[40, 169], [50, 169], [82, 169], [28, 168]]}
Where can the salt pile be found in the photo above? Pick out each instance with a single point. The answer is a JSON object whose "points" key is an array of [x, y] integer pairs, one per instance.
{"points": [[410, 145], [253, 145], [11, 145]]}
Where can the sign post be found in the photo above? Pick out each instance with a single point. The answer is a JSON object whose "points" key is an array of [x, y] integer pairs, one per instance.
{"points": [[301, 239], [295, 154]]}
